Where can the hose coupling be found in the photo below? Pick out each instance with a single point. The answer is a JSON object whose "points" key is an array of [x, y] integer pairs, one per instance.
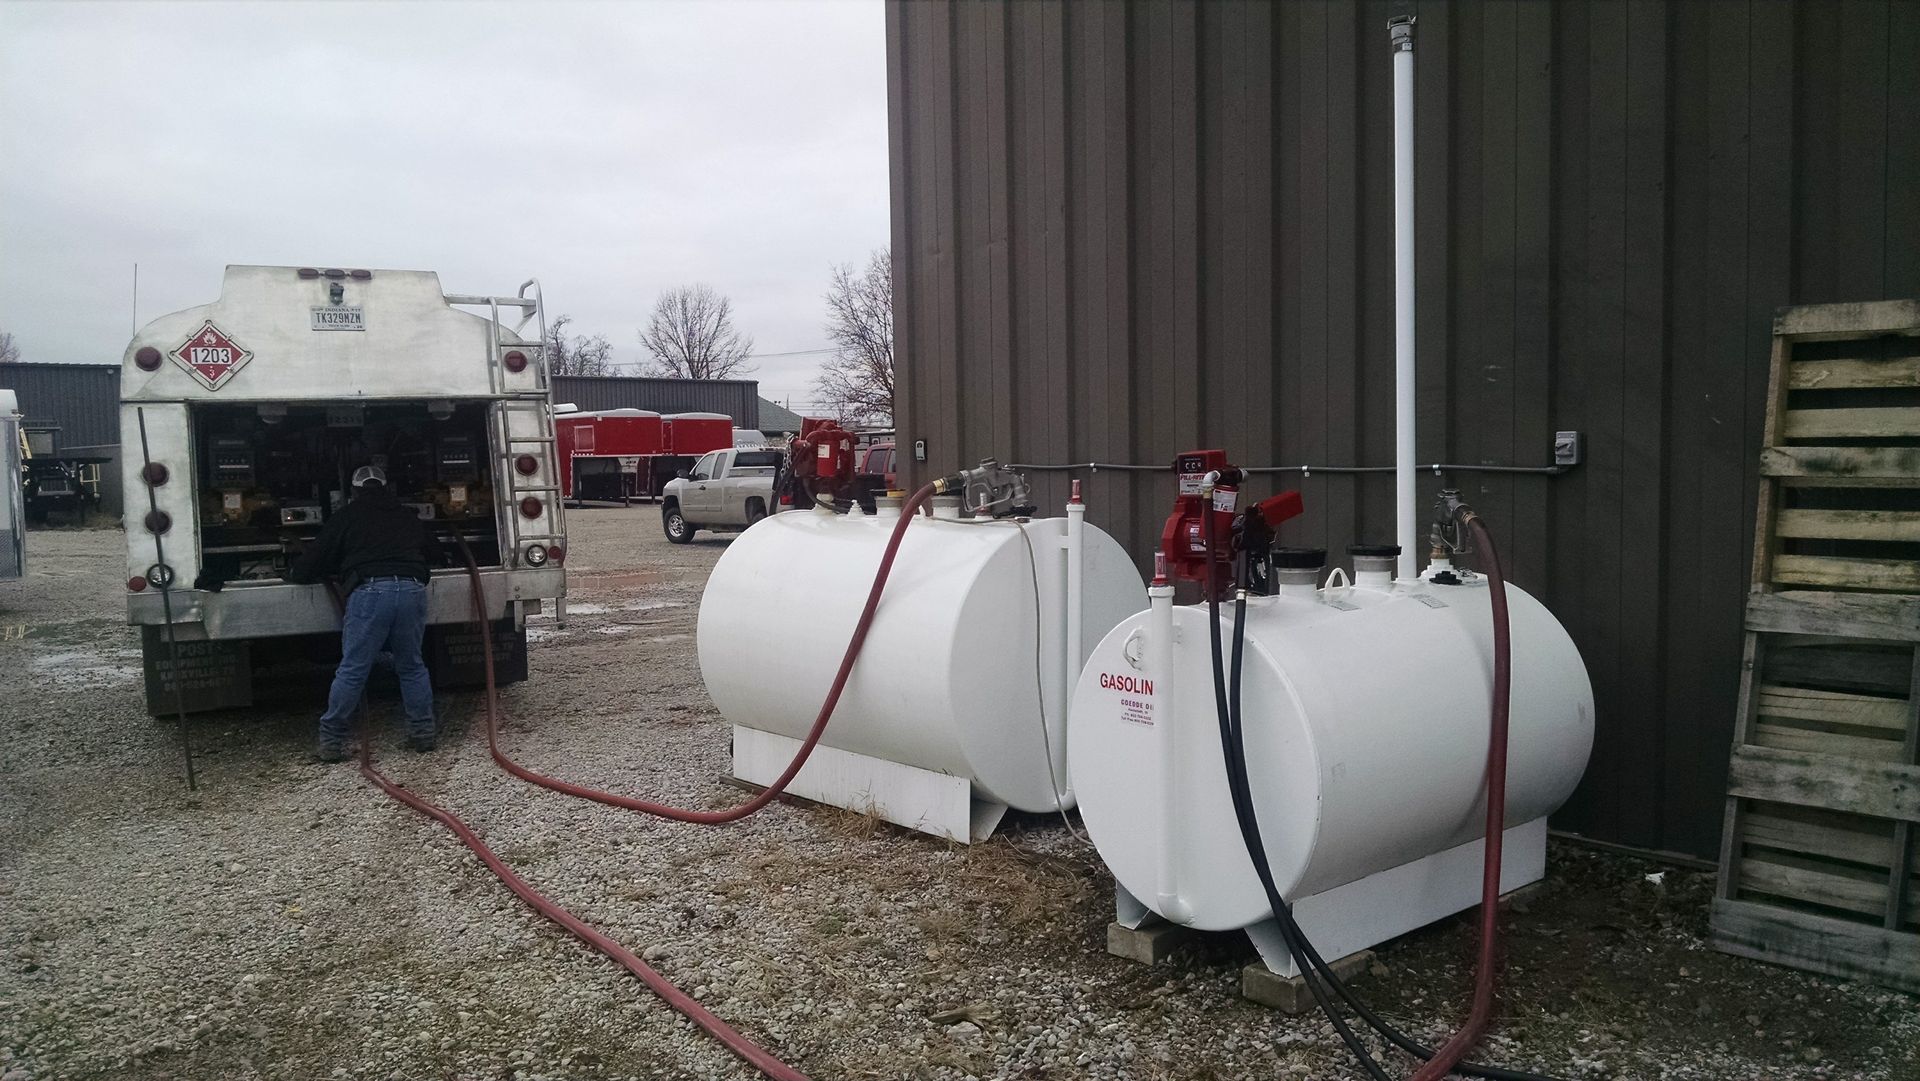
{"points": [[1452, 517]]}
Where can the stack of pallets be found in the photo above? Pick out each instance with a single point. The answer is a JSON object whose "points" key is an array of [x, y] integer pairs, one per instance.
{"points": [[1820, 863]]}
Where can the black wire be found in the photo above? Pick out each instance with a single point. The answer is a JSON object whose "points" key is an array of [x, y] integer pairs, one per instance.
{"points": [[1305, 956]]}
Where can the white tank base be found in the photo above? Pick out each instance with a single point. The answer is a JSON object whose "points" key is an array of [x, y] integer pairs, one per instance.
{"points": [[940, 804], [1386, 904]]}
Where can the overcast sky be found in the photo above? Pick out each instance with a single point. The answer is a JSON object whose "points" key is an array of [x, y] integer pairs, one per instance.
{"points": [[611, 149]]}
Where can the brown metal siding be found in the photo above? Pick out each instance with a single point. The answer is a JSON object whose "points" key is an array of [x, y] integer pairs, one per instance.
{"points": [[1125, 230]]}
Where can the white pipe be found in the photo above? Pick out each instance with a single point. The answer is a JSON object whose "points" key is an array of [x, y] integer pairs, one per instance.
{"points": [[1076, 650], [1160, 669], [1405, 527]]}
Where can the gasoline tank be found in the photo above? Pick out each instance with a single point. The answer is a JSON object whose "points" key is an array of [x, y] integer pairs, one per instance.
{"points": [[952, 679], [1365, 713]]}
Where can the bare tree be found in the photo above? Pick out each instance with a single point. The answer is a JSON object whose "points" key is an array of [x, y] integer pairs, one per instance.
{"points": [[691, 336], [857, 384], [9, 349], [578, 354]]}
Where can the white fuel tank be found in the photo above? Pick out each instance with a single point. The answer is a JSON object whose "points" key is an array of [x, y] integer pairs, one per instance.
{"points": [[1366, 729], [950, 681]]}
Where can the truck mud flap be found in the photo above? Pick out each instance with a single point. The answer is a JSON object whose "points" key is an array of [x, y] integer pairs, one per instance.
{"points": [[214, 675], [453, 654]]}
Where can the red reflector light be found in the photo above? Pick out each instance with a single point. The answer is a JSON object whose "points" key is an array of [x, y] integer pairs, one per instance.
{"points": [[527, 465], [309, 272], [158, 521], [154, 474], [136, 583], [530, 507], [556, 554], [516, 361], [147, 357], [335, 273], [362, 275]]}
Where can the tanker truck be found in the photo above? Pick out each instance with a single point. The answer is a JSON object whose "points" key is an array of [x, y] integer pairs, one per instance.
{"points": [[242, 422]]}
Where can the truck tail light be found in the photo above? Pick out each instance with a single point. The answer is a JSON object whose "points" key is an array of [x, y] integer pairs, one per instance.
{"points": [[515, 360], [309, 273], [136, 583], [526, 465], [154, 474], [530, 507], [557, 554], [536, 555], [158, 521], [147, 357]]}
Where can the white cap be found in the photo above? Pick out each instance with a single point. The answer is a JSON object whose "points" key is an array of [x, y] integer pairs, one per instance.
{"points": [[369, 474]]}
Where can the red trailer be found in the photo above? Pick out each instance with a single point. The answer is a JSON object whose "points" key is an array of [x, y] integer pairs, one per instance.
{"points": [[694, 434], [619, 454]]}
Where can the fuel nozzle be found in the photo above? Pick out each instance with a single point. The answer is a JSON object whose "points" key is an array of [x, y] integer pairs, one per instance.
{"points": [[1449, 535], [989, 489]]}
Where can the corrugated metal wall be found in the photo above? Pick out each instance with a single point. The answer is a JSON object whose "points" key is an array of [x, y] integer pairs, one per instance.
{"points": [[738, 398], [83, 399], [1125, 230]]}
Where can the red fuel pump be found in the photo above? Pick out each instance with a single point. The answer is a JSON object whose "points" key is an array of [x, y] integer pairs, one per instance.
{"points": [[820, 462], [1184, 538]]}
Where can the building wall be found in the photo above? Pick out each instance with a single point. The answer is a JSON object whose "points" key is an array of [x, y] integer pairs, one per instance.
{"points": [[1125, 230], [83, 399], [738, 398]]}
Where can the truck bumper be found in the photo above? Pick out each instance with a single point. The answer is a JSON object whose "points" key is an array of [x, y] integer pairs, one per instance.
{"points": [[272, 609]]}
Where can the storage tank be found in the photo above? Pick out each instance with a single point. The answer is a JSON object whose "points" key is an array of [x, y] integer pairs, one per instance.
{"points": [[1365, 713], [940, 726]]}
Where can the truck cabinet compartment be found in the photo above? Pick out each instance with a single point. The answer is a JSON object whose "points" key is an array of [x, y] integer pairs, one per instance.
{"points": [[298, 669], [268, 477]]}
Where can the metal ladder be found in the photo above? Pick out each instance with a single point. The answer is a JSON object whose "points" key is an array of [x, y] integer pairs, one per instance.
{"points": [[537, 403]]}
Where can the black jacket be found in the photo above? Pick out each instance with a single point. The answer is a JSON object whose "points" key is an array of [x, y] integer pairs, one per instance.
{"points": [[373, 536]]}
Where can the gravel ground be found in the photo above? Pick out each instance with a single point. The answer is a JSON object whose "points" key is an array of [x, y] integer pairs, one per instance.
{"points": [[289, 921]]}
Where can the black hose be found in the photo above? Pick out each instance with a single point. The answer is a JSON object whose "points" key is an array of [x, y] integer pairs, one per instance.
{"points": [[1305, 956], [1241, 794]]}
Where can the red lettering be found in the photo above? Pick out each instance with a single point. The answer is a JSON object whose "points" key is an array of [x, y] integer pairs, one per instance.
{"points": [[1110, 681]]}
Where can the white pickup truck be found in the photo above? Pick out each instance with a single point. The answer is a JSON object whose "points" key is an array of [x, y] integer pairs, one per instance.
{"points": [[725, 489]]}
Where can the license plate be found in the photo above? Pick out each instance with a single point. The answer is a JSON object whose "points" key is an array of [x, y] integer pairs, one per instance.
{"points": [[336, 317]]}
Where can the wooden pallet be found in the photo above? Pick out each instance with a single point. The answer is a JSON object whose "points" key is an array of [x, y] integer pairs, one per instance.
{"points": [[1820, 861]]}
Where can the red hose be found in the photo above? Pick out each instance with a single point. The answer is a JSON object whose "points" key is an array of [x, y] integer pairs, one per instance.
{"points": [[772, 791], [756, 1056], [751, 1052], [1455, 1049]]}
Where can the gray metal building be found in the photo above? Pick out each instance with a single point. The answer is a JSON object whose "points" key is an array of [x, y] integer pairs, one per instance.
{"points": [[82, 399], [738, 398], [1125, 230]]}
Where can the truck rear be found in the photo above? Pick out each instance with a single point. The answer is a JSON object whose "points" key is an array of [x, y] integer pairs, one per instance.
{"points": [[242, 422], [13, 510]]}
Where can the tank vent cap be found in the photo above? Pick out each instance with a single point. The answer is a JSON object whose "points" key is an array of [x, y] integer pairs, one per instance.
{"points": [[1311, 559]]}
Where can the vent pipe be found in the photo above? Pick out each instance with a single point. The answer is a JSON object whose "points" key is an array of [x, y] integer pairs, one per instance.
{"points": [[1400, 33]]}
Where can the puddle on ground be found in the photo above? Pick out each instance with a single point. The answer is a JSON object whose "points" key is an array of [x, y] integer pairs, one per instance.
{"points": [[615, 581], [541, 634], [86, 669]]}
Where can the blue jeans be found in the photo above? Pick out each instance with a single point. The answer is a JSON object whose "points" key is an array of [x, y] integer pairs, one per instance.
{"points": [[390, 614]]}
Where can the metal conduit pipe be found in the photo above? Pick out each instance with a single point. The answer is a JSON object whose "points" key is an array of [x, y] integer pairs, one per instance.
{"points": [[1437, 468]]}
